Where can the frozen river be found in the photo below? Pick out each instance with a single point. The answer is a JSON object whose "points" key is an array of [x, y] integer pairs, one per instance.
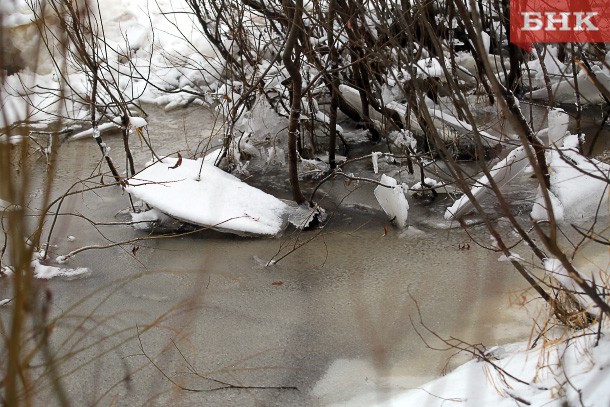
{"points": [[201, 320]]}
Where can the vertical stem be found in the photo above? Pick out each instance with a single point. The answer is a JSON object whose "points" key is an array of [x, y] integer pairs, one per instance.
{"points": [[293, 50], [334, 90]]}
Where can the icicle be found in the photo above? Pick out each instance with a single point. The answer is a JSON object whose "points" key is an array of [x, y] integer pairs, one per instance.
{"points": [[375, 157]]}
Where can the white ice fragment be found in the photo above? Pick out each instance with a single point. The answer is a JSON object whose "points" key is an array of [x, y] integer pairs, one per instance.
{"points": [[429, 67], [5, 301], [201, 194], [94, 132], [71, 238], [403, 139], [572, 141], [563, 88], [47, 272], [60, 259], [502, 173], [105, 149], [246, 145], [302, 216], [539, 210], [393, 200], [276, 156], [375, 157], [429, 183], [511, 257], [578, 182], [558, 125], [147, 219]]}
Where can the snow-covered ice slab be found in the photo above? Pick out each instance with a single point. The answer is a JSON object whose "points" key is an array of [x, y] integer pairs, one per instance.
{"points": [[216, 199], [502, 173], [578, 182], [564, 89]]}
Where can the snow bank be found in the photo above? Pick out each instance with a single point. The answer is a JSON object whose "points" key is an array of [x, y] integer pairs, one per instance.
{"points": [[215, 199], [555, 269], [554, 374], [579, 183], [131, 49]]}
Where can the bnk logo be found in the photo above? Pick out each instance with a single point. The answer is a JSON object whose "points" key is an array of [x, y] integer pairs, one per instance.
{"points": [[544, 21]]}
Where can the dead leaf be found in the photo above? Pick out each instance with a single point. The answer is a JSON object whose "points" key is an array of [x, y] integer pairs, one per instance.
{"points": [[135, 249], [277, 283], [140, 135], [178, 163], [102, 180], [385, 230]]}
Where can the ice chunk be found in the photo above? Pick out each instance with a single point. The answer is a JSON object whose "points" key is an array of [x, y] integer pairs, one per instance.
{"points": [[201, 194], [375, 158], [393, 200], [579, 183], [502, 173], [539, 211], [558, 125]]}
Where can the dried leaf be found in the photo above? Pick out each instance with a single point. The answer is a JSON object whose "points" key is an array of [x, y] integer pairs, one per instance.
{"points": [[135, 249], [178, 163], [140, 135], [385, 230], [277, 283], [102, 180]]}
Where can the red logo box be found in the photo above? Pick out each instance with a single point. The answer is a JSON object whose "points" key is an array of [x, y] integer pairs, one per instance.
{"points": [[544, 21]]}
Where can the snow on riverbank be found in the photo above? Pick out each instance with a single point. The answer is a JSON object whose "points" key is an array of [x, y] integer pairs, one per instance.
{"points": [[552, 374], [133, 50], [201, 194]]}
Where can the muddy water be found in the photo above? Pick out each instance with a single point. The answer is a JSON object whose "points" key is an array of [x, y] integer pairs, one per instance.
{"points": [[334, 321]]}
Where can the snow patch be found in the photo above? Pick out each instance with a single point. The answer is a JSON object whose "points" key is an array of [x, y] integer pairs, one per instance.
{"points": [[47, 272]]}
